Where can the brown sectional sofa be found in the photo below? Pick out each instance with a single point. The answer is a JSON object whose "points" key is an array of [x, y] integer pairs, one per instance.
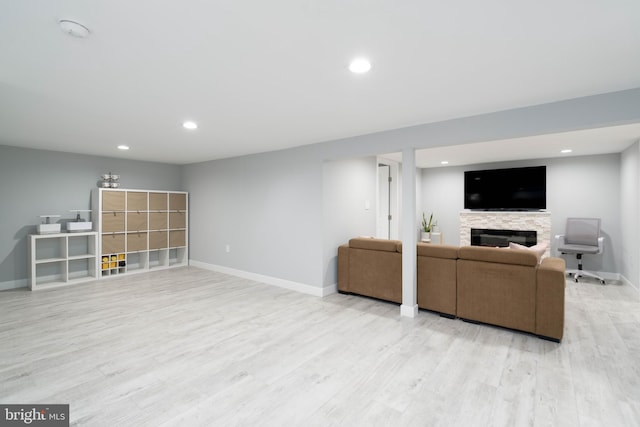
{"points": [[371, 267], [503, 287]]}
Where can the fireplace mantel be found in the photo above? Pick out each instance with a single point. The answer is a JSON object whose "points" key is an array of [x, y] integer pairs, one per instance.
{"points": [[525, 220]]}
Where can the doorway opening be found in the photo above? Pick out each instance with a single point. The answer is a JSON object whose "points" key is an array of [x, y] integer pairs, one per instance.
{"points": [[387, 200]]}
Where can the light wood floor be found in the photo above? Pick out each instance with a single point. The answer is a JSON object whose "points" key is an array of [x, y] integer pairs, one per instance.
{"points": [[190, 347]]}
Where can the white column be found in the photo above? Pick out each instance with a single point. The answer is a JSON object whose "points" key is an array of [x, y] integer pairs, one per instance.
{"points": [[409, 307]]}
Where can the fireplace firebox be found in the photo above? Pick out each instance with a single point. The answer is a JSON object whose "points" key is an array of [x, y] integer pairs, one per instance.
{"points": [[501, 238]]}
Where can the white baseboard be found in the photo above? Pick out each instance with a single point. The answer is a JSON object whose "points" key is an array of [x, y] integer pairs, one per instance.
{"points": [[14, 284], [617, 277], [282, 283], [409, 310], [608, 276], [627, 282]]}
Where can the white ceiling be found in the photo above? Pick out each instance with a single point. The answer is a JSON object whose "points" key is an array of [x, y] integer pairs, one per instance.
{"points": [[614, 139], [262, 75]]}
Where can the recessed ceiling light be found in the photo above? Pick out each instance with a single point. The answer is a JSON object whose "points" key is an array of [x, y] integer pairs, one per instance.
{"points": [[566, 150], [360, 66], [444, 162], [123, 147], [190, 125], [73, 28]]}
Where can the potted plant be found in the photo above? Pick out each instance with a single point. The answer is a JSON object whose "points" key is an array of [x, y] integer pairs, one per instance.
{"points": [[427, 227]]}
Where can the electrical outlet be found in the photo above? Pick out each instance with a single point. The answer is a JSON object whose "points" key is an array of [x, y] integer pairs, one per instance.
{"points": [[227, 248]]}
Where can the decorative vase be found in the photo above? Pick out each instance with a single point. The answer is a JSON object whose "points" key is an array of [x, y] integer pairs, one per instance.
{"points": [[436, 237]]}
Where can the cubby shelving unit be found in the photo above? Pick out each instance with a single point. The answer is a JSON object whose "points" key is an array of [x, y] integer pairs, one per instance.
{"points": [[140, 230], [62, 259]]}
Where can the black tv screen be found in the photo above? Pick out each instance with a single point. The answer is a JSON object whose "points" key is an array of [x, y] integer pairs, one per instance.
{"points": [[506, 189]]}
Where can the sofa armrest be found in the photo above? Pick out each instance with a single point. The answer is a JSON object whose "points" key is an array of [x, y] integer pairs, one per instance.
{"points": [[343, 268], [550, 281]]}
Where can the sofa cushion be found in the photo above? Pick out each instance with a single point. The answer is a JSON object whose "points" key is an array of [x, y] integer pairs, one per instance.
{"points": [[538, 249], [437, 251], [374, 244], [489, 254]]}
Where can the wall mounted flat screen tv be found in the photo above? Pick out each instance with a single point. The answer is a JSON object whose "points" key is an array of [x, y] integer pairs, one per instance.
{"points": [[514, 189]]}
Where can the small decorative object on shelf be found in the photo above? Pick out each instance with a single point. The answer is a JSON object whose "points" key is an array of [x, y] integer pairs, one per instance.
{"points": [[435, 236], [111, 262], [79, 225], [427, 227], [110, 180], [46, 227]]}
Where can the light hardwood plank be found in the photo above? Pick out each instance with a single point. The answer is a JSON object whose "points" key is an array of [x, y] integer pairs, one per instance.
{"points": [[193, 347]]}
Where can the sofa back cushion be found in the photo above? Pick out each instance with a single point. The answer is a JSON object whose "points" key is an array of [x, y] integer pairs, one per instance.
{"points": [[375, 244], [498, 255], [437, 251], [538, 249]]}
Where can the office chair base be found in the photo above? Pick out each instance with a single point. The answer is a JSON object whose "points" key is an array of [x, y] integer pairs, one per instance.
{"points": [[576, 274]]}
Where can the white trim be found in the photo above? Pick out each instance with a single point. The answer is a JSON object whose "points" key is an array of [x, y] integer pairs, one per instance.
{"points": [[627, 282], [141, 190], [605, 275], [282, 283], [409, 310], [409, 235], [611, 276], [608, 276], [14, 284]]}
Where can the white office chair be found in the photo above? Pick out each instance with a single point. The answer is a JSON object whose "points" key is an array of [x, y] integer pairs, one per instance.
{"points": [[582, 236]]}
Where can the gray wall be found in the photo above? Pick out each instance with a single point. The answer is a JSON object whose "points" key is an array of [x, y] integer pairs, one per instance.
{"points": [[267, 208], [36, 182], [630, 213], [348, 186], [587, 186], [441, 193], [286, 237]]}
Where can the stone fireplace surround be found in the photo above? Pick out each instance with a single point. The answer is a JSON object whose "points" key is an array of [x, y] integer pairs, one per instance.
{"points": [[507, 220]]}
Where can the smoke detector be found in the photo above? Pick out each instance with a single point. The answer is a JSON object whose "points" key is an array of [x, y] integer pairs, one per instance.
{"points": [[73, 28]]}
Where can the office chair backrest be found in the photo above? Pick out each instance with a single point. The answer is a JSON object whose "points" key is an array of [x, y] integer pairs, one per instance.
{"points": [[582, 231]]}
